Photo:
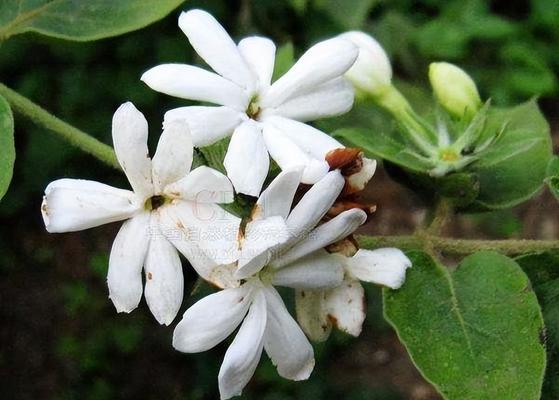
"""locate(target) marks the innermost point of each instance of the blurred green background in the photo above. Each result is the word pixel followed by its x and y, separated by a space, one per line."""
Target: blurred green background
pixel 60 336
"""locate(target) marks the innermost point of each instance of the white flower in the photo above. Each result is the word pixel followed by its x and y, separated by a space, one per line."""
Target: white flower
pixel 280 248
pixel 169 205
pixel 344 306
pixel 372 71
pixel 264 119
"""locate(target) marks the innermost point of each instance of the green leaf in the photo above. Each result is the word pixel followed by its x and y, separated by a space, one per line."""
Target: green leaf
pixel 80 20
pixel 475 332
pixel 552 179
pixel 349 14
pixel 513 168
pixel 285 57
pixel 543 271
pixel 8 151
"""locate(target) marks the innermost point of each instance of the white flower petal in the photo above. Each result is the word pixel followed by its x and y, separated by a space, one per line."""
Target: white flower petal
pixel 313 142
pixel 311 315
pixel 314 204
pixel 288 155
pixel 128 255
pixel 243 355
pixel 261 238
pixel 321 63
pixel 207 124
pixel 337 228
pixel 130 139
pixel 212 229
pixel 359 180
pixel 247 161
pixel 215 46
pixel 315 271
pixel 173 158
pixel 276 200
pixel 285 342
pixel 385 266
pixel 71 205
pixel 345 306
pixel 164 278
pixel 203 185
pixel 260 54
pixel 330 99
pixel 211 320
pixel 186 242
pixel 193 83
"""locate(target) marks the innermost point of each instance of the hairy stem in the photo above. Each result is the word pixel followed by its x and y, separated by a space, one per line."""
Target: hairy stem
pixel 458 247
pixel 73 135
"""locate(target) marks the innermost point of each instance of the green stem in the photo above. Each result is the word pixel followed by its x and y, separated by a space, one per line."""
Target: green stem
pixel 459 247
pixel 74 136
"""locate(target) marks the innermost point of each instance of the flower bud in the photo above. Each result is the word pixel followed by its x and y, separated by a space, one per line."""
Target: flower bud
pixel 454 89
pixel 372 71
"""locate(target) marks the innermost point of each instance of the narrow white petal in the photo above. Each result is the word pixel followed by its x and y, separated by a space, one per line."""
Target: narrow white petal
pixel 185 241
pixel 262 236
pixel 193 83
pixel 311 315
pixel 259 53
pixel 207 124
pixel 321 63
pixel 164 278
pixel 128 255
pixel 337 228
pixel 345 306
pixel 130 139
pixel 203 185
pixel 212 229
pixel 314 204
pixel 173 158
pixel 247 161
pixel 315 271
pixel 215 46
pixel 330 99
pixel 288 155
pixel 243 355
pixel 212 319
pixel 71 205
pixel 385 266
pixel 284 341
pixel 313 142
pixel 276 200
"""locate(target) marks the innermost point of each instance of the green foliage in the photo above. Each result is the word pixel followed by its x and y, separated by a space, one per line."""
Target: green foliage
pixel 474 332
pixel 74 20
pixel 543 271
pixel 8 153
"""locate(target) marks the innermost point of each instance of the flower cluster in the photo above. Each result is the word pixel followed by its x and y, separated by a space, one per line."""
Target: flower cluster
pixel 174 208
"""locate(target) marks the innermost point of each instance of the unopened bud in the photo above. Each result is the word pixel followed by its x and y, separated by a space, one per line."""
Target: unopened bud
pixel 372 71
pixel 454 89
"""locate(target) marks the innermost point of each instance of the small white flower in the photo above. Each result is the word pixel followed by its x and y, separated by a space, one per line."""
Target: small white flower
pixel 344 306
pixel 264 119
pixel 287 251
pixel 372 71
pixel 170 205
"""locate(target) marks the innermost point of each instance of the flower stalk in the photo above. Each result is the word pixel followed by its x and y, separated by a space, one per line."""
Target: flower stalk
pixel 71 134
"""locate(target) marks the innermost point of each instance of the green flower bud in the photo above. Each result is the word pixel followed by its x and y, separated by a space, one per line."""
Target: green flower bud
pixel 454 89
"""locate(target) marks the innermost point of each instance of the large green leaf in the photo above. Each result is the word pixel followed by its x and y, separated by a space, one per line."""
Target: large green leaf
pixel 543 271
pixel 7 149
pixel 80 20
pixel 475 332
pixel 514 168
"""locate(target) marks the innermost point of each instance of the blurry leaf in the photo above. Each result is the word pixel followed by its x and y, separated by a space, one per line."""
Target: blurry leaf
pixel 8 151
pixel 299 6
pixel 543 271
pixel 513 168
pixel 376 144
pixel 475 332
pixel 349 14
pixel 284 60
pixel 81 21
pixel 552 173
